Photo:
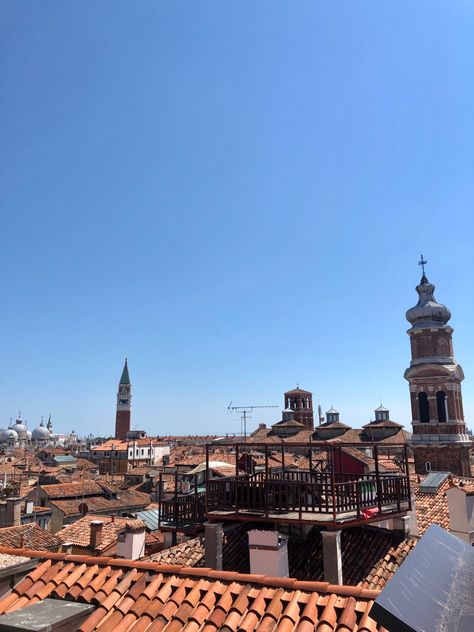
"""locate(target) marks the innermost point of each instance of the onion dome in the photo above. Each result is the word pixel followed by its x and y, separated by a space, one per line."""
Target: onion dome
pixel 19 428
pixel 40 433
pixel 29 434
pixel 427 312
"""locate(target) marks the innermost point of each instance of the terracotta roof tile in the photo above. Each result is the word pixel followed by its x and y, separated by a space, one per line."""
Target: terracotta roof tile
pixel 145 597
pixel 433 508
pixel 79 532
pixel 30 536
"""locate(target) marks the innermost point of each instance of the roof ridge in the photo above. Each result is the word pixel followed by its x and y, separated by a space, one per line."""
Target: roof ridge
pixel 265 580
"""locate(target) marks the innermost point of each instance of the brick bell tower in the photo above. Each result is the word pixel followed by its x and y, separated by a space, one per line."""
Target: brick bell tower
pixel 124 398
pixel 439 438
pixel 301 403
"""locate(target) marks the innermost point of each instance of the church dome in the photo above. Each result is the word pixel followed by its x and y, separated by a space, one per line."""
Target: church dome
pixel 427 312
pixel 40 433
pixel 9 435
pixel 19 428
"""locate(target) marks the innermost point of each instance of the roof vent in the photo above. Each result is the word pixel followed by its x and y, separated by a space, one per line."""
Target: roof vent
pixel 431 483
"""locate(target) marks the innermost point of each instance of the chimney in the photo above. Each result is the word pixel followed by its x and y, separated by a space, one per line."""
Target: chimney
pixel 332 557
pixel 29 506
pixel 131 542
pixel 96 533
pixel 13 512
pixel 213 546
pixel 268 553
pixel 461 512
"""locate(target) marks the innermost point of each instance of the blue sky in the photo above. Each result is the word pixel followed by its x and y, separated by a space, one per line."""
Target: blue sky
pixel 233 195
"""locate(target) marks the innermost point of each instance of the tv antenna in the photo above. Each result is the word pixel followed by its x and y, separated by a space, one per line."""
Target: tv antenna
pixel 244 412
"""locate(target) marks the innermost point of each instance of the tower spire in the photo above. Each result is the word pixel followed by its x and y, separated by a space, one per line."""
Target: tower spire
pixel 125 379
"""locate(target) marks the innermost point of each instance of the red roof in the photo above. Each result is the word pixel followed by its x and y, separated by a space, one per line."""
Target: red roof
pixel 146 597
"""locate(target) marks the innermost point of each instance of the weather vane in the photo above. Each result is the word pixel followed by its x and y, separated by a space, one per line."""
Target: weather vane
pixel 422 262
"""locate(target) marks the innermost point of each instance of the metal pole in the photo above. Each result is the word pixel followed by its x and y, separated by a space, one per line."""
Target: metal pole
pixel 160 497
pixel 333 484
pixel 407 472
pixel 377 478
pixel 265 489
pixel 206 479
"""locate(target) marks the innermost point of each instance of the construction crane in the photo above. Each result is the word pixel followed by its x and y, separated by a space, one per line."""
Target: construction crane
pixel 244 411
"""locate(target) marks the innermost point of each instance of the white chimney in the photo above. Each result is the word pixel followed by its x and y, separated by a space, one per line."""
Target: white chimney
pixel 461 512
pixel 268 553
pixel 29 506
pixel 131 543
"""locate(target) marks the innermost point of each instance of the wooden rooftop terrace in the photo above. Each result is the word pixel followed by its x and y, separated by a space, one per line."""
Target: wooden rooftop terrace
pixel 329 492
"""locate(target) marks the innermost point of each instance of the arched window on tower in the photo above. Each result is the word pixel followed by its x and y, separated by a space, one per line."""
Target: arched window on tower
pixel 294 404
pixel 424 407
pixel 441 405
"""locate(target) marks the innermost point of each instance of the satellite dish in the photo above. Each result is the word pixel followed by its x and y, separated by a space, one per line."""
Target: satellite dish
pixel 83 509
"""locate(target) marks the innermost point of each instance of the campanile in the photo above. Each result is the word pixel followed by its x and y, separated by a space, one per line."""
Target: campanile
pixel 124 399
pixel 439 438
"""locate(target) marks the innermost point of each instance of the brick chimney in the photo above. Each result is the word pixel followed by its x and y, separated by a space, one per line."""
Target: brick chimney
pixel 96 533
pixel 461 511
pixel 13 513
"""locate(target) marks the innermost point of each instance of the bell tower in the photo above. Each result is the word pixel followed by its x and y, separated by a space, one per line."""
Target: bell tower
pixel 439 438
pixel 124 398
pixel 301 403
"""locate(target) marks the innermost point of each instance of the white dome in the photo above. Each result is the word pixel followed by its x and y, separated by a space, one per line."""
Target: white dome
pixel 40 433
pixel 9 435
pixel 20 428
pixel 28 435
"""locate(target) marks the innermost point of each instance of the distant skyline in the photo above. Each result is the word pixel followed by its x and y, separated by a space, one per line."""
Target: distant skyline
pixel 233 196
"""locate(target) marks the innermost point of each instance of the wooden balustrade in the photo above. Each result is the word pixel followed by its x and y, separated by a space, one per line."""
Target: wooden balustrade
pixel 183 510
pixel 304 491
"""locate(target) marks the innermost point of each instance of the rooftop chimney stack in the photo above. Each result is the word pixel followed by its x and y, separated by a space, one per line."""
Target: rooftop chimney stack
pixel 268 553
pixel 131 543
pixel 13 514
pixel 96 533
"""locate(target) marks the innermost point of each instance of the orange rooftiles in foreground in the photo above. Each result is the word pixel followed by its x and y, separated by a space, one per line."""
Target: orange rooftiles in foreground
pixel 148 597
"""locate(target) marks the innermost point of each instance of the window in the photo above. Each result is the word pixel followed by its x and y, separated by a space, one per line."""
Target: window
pixel 441 404
pixel 424 407
pixel 428 466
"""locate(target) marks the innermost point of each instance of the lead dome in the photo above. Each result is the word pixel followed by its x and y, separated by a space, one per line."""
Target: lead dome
pixel 40 433
pixel 427 312
pixel 20 428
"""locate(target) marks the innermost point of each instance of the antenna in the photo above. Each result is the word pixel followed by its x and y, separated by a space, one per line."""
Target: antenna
pixel 244 411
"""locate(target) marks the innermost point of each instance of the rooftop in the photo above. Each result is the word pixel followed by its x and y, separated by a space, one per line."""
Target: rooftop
pixel 147 596
pixel 79 533
pixel 28 536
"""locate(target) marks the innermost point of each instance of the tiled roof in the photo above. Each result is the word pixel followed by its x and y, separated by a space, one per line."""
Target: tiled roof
pixel 433 508
pixel 125 498
pixel 188 553
pixel 385 568
pixel 79 533
pixel 147 597
pixel 72 490
pixel 28 536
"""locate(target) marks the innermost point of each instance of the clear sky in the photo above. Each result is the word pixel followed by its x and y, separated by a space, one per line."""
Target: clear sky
pixel 235 196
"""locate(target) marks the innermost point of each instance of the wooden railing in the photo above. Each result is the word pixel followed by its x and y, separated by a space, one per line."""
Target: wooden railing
pixel 183 510
pixel 306 492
